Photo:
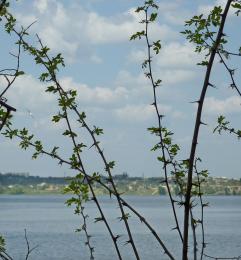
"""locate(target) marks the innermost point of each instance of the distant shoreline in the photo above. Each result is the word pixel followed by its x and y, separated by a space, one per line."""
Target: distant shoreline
pixel 105 194
pixel 18 184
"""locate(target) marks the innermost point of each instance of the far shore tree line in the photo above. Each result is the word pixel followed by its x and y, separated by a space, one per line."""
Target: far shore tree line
pixel 23 183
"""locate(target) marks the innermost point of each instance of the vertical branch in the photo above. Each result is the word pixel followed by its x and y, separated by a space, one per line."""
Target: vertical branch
pixel 196 132
pixel 193 225
pixel 159 118
pixel 84 227
pixel 29 250
pixel 202 208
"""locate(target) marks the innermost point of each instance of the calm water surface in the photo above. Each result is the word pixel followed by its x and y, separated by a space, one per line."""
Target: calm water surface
pixel 51 225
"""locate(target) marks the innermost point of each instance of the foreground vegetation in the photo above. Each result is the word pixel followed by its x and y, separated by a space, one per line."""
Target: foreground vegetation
pixel 181 176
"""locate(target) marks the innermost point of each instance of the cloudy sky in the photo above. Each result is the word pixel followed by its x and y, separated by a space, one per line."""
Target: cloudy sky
pixel 104 66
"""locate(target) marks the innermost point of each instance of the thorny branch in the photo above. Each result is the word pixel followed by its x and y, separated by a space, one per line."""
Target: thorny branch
pixel 159 118
pixel 196 131
pixel 199 183
pixel 230 71
pixel 74 108
pixel 84 227
pixel 98 180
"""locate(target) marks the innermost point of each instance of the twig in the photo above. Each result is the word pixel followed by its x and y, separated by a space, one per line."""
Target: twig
pixel 84 227
pixel 222 258
pixel 202 208
pixel 29 250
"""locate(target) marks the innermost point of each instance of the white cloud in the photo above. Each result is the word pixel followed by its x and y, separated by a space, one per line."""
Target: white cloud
pixel 26 20
pixel 41 5
pixel 205 9
pixel 72 30
pixel 176 62
pixel 173 13
pixel 177 76
pixel 96 59
pixel 226 106
pixel 27 93
pixel 135 113
pixel 137 56
pixel 133 82
pixel 57 42
pixel 118 29
pixel 141 113
pixel 177 55
pixel 96 95
pixel 178 115
pixel 174 55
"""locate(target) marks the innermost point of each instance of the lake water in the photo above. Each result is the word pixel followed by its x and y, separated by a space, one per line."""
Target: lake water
pixel 51 225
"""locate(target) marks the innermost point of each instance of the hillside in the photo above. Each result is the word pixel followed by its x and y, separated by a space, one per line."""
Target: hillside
pixel 22 183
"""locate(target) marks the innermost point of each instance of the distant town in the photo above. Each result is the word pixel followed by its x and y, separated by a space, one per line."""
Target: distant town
pixel 23 183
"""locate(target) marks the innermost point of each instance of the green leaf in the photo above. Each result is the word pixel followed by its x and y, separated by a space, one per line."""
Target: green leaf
pixel 69 133
pixel 19 73
pixel 44 76
pixel 157 46
pixel 153 17
pixel 203 63
pixel 138 35
pixel 2 243
pixel 98 131
pixel 98 219
pixel 139 9
pixel 56 118
pixel 51 89
pixel 110 165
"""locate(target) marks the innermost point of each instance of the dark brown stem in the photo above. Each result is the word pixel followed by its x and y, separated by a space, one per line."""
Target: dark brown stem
pixel 194 236
pixel 202 209
pixel 196 132
pixel 84 227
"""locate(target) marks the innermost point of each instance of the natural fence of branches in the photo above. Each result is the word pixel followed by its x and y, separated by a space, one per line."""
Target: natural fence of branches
pixel 207 33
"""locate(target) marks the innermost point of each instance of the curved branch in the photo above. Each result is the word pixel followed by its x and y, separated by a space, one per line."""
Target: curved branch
pixel 196 131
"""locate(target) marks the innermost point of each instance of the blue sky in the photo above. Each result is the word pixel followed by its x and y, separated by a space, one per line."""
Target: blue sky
pixel 104 66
